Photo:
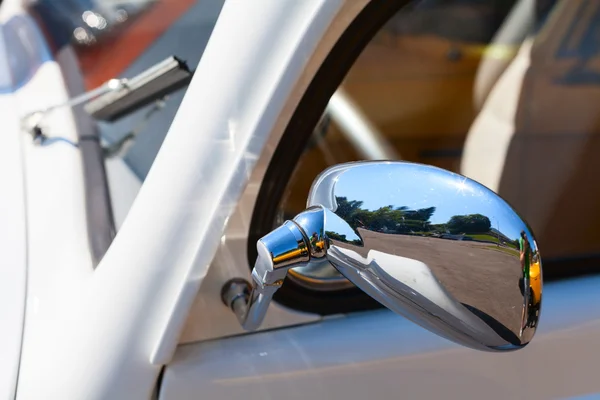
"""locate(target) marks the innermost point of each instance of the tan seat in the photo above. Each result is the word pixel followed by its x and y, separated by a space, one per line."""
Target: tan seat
pixel 536 141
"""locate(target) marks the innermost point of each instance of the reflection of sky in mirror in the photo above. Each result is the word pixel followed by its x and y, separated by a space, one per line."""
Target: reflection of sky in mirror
pixel 416 186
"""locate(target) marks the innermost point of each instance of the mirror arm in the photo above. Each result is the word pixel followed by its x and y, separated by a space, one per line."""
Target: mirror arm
pixel 284 248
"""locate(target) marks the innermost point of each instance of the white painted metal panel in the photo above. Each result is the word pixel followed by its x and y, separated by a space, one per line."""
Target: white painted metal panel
pixel 109 332
pixel 380 355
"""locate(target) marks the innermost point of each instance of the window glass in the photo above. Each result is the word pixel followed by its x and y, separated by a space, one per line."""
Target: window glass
pixel 505 92
pixel 121 38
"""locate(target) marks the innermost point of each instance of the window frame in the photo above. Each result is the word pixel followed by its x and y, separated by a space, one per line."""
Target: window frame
pixel 295 137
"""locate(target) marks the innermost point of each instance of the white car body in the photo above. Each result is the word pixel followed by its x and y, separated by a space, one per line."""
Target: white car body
pixel 72 330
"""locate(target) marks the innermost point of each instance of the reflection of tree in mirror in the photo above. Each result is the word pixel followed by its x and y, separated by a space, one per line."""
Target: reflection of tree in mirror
pixel 403 220
pixel 388 219
pixel 346 208
pixel 342 238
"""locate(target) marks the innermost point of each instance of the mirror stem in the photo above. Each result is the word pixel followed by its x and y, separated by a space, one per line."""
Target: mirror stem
pixel 284 248
pixel 249 302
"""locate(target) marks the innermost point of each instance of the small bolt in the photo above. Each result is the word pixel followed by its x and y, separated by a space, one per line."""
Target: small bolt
pixel 233 289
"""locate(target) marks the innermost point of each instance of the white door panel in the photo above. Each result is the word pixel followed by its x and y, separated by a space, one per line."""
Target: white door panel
pixel 379 355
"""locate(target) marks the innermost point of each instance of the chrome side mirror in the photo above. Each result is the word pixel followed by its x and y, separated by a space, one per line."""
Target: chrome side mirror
pixel 436 247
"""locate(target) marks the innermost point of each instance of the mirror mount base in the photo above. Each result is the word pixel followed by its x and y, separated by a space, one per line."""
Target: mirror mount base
pixel 288 246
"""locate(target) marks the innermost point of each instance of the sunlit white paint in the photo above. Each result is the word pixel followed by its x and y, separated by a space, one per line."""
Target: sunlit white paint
pixel 34 224
pixel 379 355
pixel 59 259
pixel 108 332
pixel 13 261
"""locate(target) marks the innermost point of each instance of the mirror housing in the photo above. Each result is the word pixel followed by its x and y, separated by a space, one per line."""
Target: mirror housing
pixel 434 246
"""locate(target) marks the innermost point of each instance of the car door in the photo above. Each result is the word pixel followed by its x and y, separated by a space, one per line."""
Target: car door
pixel 456 84
pixel 407 80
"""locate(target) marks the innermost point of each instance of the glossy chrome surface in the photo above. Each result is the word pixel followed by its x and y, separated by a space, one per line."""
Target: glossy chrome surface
pixel 280 250
pixel 434 246
pixel 429 244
